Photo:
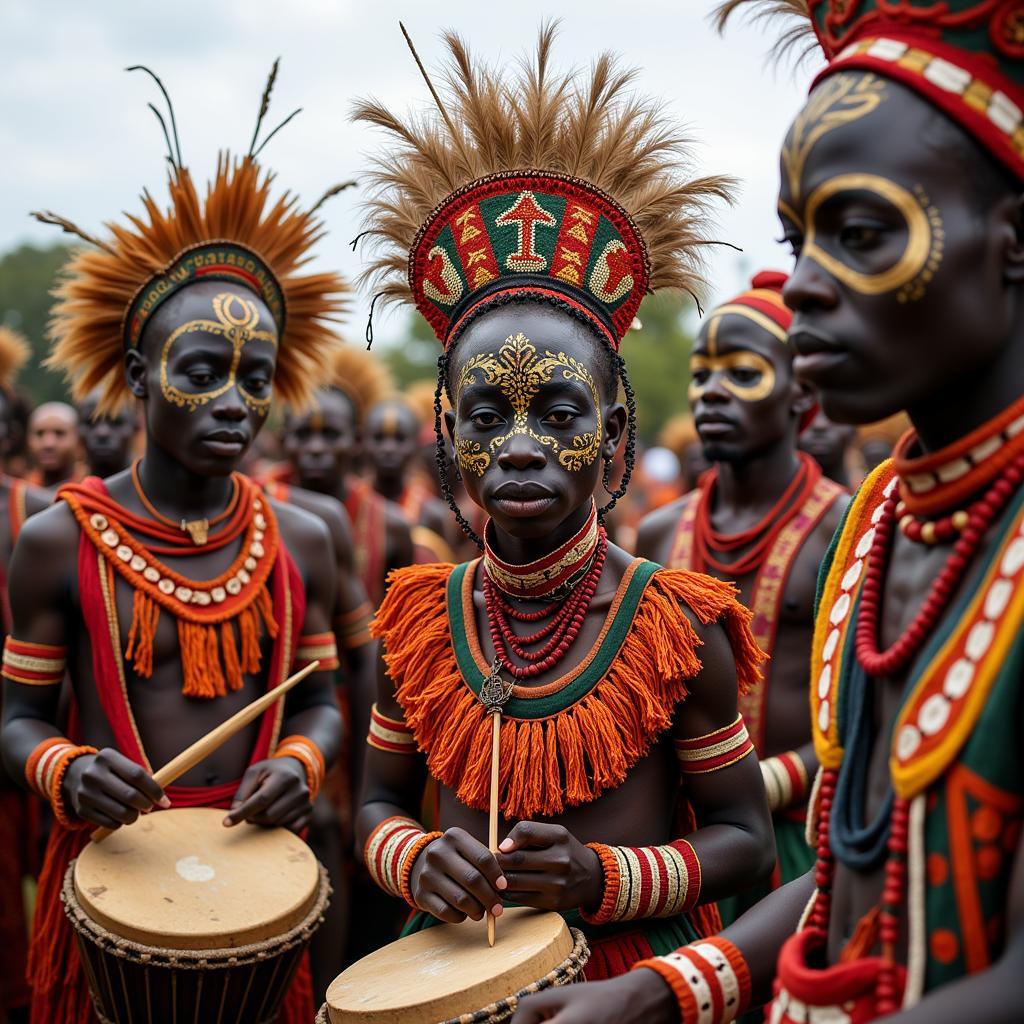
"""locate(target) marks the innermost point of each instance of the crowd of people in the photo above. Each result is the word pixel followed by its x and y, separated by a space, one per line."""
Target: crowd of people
pixel 746 700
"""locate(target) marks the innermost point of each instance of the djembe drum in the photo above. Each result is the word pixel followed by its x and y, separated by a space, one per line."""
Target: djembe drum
pixel 181 919
pixel 449 975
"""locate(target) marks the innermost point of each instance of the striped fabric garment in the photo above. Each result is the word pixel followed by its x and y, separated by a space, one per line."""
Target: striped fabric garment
pixel 34 664
pixel 714 750
pixel 710 980
pixel 646 881
pixel 390 734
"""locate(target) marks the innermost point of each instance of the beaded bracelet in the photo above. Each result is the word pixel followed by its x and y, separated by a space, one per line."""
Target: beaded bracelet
pixel 45 770
pixel 391 851
pixel 646 881
pixel 785 780
pixel 390 734
pixel 308 753
pixel 710 980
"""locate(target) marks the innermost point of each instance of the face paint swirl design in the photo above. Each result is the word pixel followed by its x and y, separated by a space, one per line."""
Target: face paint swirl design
pixel 733 365
pixel 236 321
pixel 519 372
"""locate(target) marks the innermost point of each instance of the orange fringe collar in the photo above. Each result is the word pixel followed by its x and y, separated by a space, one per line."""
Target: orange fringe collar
pixel 566 742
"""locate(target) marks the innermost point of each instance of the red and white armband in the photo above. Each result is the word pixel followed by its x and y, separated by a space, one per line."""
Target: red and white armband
pixel 320 647
pixel 714 750
pixel 34 664
pixel 353 627
pixel 391 851
pixel 646 881
pixel 390 734
pixel 710 980
pixel 45 770
pixel 785 780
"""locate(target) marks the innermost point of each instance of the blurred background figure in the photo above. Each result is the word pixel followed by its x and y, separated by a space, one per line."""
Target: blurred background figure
pixel 679 436
pixel 108 440
pixel 54 445
pixel 831 446
pixel 876 441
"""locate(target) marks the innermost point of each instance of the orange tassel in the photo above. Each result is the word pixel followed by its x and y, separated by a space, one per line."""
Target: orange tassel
pixel 229 655
pixel 145 616
pixel 551 764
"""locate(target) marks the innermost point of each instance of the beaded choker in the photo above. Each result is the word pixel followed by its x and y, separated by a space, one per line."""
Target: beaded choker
pixel 941 481
pixel 550 578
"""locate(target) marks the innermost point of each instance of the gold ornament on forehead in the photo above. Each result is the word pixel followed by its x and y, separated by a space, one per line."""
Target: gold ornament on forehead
pixel 519 372
pixel 236 321
pixel 839 100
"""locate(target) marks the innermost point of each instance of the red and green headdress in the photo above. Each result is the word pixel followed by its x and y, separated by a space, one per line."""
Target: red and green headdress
pixel 561 186
pixel 236 232
pixel 964 56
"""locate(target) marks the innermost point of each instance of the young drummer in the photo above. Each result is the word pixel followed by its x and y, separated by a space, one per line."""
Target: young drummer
pixel 175 593
pixel 763 516
pixel 901 194
pixel 323 445
pixel 534 213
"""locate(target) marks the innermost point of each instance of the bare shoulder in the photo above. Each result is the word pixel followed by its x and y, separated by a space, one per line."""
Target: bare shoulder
pixel 52 529
pixel 329 510
pixel 45 559
pixel 36 500
pixel 657 528
pixel 304 534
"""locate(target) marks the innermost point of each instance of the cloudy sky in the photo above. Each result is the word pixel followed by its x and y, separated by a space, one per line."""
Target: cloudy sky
pixel 76 136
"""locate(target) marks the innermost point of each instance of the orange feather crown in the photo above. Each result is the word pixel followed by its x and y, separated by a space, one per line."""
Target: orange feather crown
pixel 526 181
pixel 235 233
pixel 14 353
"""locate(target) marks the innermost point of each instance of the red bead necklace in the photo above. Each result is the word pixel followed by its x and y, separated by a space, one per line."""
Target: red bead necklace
pixel 980 517
pixel 758 539
pixel 566 618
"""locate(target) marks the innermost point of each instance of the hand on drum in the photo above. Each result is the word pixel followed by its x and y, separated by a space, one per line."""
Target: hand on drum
pixel 272 792
pixel 639 997
pixel 548 867
pixel 457 877
pixel 110 790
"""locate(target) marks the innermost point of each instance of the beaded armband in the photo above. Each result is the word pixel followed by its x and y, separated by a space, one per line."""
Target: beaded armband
pixel 34 664
pixel 646 881
pixel 45 770
pixel 390 734
pixel 308 753
pixel 710 980
pixel 352 628
pixel 785 780
pixel 715 750
pixel 320 647
pixel 391 852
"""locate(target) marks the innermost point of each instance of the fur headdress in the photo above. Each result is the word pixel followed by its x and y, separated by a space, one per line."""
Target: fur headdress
pixel 361 376
pixel 236 232
pixel 966 57
pixel 531 180
pixel 14 353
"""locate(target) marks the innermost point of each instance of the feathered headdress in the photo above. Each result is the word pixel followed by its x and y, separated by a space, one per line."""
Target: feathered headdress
pixel 14 353
pixel 966 57
pixel 561 184
pixel 362 377
pixel 236 233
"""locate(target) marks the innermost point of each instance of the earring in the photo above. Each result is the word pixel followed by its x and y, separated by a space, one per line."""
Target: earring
pixel 606 476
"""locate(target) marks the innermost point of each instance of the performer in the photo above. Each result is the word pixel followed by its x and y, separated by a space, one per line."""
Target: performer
pixel 913 911
pixel 392 445
pixel 53 445
pixel 763 516
pixel 107 440
pixel 175 592
pixel 19 818
pixel 323 446
pixel 606 663
pixel 831 446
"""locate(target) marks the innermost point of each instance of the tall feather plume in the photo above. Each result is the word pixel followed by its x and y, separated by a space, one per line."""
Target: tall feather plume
pixel 14 353
pixel 494 120
pixel 98 285
pixel 794 15
pixel 360 375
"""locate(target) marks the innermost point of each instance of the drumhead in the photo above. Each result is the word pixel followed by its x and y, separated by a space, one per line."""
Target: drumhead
pixel 179 879
pixel 449 970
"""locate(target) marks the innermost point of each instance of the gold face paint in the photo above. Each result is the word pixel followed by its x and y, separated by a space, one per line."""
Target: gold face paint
pixel 741 359
pixel 518 372
pixel 239 329
pixel 921 256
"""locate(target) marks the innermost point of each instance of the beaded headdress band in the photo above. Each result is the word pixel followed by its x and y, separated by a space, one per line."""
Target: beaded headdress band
pixel 558 186
pixel 964 56
pixel 236 233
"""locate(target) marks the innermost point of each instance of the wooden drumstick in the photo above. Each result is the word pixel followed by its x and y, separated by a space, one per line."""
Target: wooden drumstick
pixel 206 745
pixel 493 695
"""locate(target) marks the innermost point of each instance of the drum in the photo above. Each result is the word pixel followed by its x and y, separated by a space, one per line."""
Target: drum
pixel 181 919
pixel 440 975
